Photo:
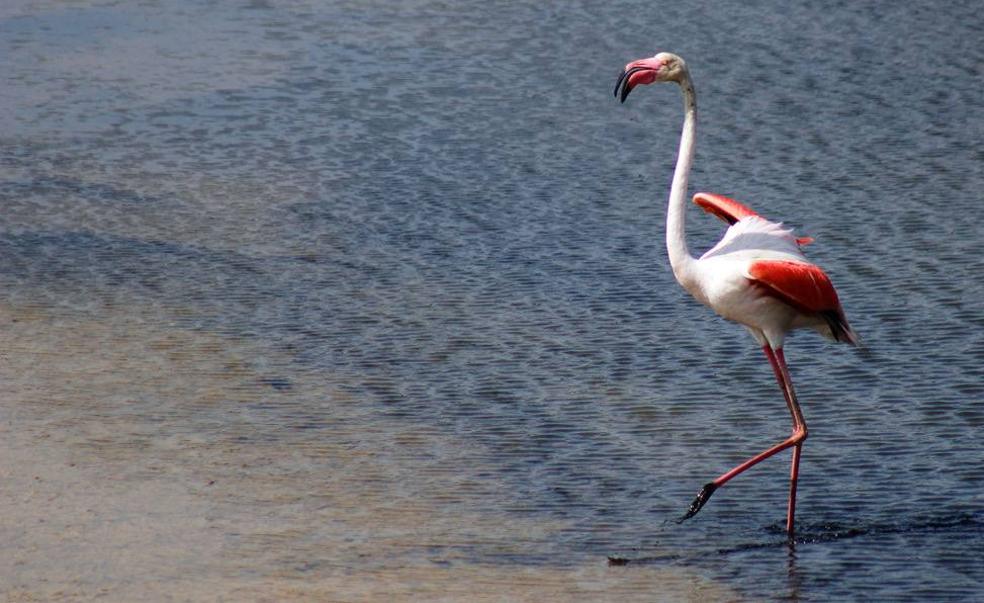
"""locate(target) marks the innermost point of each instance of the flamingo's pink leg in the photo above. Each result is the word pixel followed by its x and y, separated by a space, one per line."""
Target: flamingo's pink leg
pixel 778 362
pixel 799 430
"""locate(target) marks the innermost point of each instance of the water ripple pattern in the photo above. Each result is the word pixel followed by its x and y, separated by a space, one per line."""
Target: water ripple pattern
pixel 371 300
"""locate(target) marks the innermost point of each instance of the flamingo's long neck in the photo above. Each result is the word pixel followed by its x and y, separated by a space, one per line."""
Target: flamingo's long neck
pixel 676 241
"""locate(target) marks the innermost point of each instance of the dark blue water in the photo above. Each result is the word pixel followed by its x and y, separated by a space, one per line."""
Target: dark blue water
pixel 438 239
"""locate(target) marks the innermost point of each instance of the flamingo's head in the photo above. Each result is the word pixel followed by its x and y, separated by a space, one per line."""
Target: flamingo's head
pixel 664 67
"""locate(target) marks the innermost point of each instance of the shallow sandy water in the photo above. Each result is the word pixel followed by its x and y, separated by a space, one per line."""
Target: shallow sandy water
pixel 104 506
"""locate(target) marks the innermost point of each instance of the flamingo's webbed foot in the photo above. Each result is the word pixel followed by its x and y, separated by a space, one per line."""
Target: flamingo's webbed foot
pixel 702 497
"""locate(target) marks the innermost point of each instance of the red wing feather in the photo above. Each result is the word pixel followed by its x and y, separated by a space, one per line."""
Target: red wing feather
pixel 723 207
pixel 804 286
pixel 731 211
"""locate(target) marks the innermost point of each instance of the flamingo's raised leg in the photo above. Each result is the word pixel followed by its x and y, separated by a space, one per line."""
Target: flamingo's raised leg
pixel 800 433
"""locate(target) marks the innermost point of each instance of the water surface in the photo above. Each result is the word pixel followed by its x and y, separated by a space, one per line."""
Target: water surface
pixel 364 301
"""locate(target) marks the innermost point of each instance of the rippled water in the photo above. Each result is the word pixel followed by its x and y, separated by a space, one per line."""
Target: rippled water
pixel 358 300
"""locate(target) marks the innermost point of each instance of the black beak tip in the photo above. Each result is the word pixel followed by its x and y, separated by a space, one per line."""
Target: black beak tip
pixel 618 83
pixel 622 86
pixel 625 93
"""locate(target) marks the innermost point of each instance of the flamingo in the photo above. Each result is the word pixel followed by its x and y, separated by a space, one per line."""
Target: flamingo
pixel 757 275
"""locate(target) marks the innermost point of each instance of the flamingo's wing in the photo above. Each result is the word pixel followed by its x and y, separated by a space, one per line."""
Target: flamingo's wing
pixel 805 287
pixel 731 211
pixel 723 207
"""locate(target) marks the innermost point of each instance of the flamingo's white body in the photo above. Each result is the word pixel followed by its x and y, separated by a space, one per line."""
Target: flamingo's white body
pixel 757 275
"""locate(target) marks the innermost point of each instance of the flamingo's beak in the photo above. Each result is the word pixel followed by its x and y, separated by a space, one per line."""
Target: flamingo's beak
pixel 643 71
